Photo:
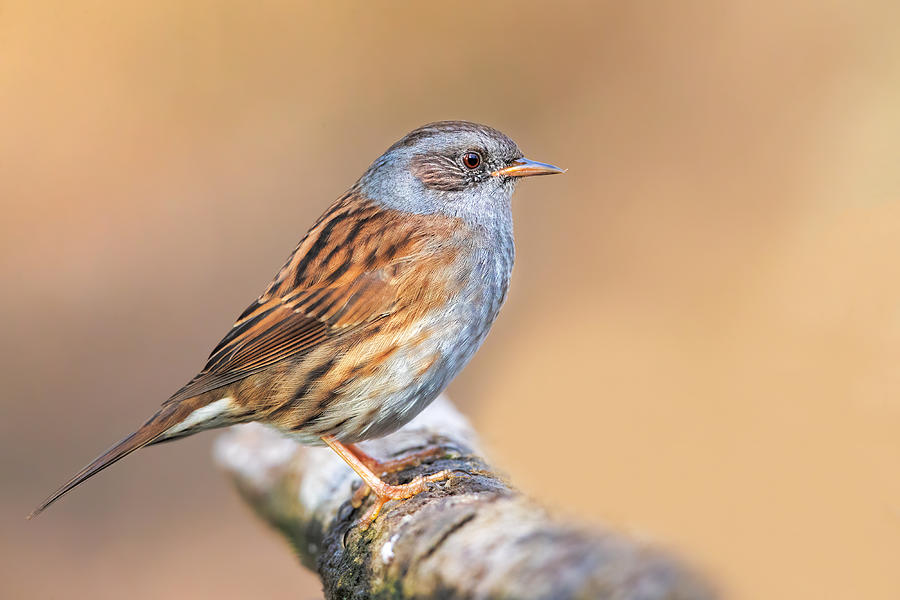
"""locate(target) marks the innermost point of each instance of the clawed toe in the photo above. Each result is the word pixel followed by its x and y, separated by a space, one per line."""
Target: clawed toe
pixel 368 468
pixel 397 492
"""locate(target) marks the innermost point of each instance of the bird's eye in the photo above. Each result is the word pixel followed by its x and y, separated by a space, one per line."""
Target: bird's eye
pixel 472 160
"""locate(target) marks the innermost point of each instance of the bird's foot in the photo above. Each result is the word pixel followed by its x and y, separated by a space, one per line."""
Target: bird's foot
pixel 397 464
pixel 371 469
pixel 382 468
pixel 386 492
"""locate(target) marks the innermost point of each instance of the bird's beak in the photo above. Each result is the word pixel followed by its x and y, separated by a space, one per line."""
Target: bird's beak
pixel 526 168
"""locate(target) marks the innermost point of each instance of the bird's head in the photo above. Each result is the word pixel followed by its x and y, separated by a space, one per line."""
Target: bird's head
pixel 454 168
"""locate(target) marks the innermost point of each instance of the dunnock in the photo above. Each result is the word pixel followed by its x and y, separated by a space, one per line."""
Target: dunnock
pixel 377 309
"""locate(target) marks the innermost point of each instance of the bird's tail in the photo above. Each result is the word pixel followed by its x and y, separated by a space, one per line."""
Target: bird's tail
pixel 160 427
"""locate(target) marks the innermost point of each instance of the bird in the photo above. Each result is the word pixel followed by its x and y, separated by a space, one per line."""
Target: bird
pixel 383 301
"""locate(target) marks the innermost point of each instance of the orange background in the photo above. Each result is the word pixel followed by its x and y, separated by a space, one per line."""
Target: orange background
pixel 702 340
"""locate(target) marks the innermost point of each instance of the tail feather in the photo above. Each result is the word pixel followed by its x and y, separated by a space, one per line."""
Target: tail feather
pixel 153 431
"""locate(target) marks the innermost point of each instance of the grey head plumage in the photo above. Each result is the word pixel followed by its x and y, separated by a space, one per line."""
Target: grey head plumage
pixel 454 168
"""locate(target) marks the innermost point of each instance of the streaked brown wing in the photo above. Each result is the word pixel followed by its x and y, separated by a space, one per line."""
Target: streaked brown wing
pixel 271 330
pixel 358 263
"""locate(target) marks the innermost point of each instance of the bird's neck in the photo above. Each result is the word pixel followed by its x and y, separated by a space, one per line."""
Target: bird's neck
pixel 493 255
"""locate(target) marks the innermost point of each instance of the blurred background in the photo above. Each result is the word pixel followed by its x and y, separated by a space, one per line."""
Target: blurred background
pixel 701 345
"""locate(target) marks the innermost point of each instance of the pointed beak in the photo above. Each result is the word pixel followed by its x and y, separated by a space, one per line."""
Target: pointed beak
pixel 526 168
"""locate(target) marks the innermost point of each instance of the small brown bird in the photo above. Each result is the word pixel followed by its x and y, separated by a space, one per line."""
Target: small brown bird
pixel 381 304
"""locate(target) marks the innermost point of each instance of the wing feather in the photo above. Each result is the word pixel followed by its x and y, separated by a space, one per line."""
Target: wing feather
pixel 328 288
pixel 283 329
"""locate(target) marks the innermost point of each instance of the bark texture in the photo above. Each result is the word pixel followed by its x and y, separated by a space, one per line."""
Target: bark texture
pixel 472 536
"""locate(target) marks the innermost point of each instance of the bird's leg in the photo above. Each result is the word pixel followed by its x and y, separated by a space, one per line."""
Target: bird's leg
pixel 383 467
pixel 384 491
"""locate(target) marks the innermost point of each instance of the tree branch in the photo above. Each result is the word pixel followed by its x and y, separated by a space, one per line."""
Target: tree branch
pixel 469 537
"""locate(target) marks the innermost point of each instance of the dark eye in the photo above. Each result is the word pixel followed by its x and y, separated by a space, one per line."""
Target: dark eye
pixel 472 160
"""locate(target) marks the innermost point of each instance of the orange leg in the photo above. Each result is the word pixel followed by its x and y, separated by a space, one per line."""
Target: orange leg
pixel 398 464
pixel 367 466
